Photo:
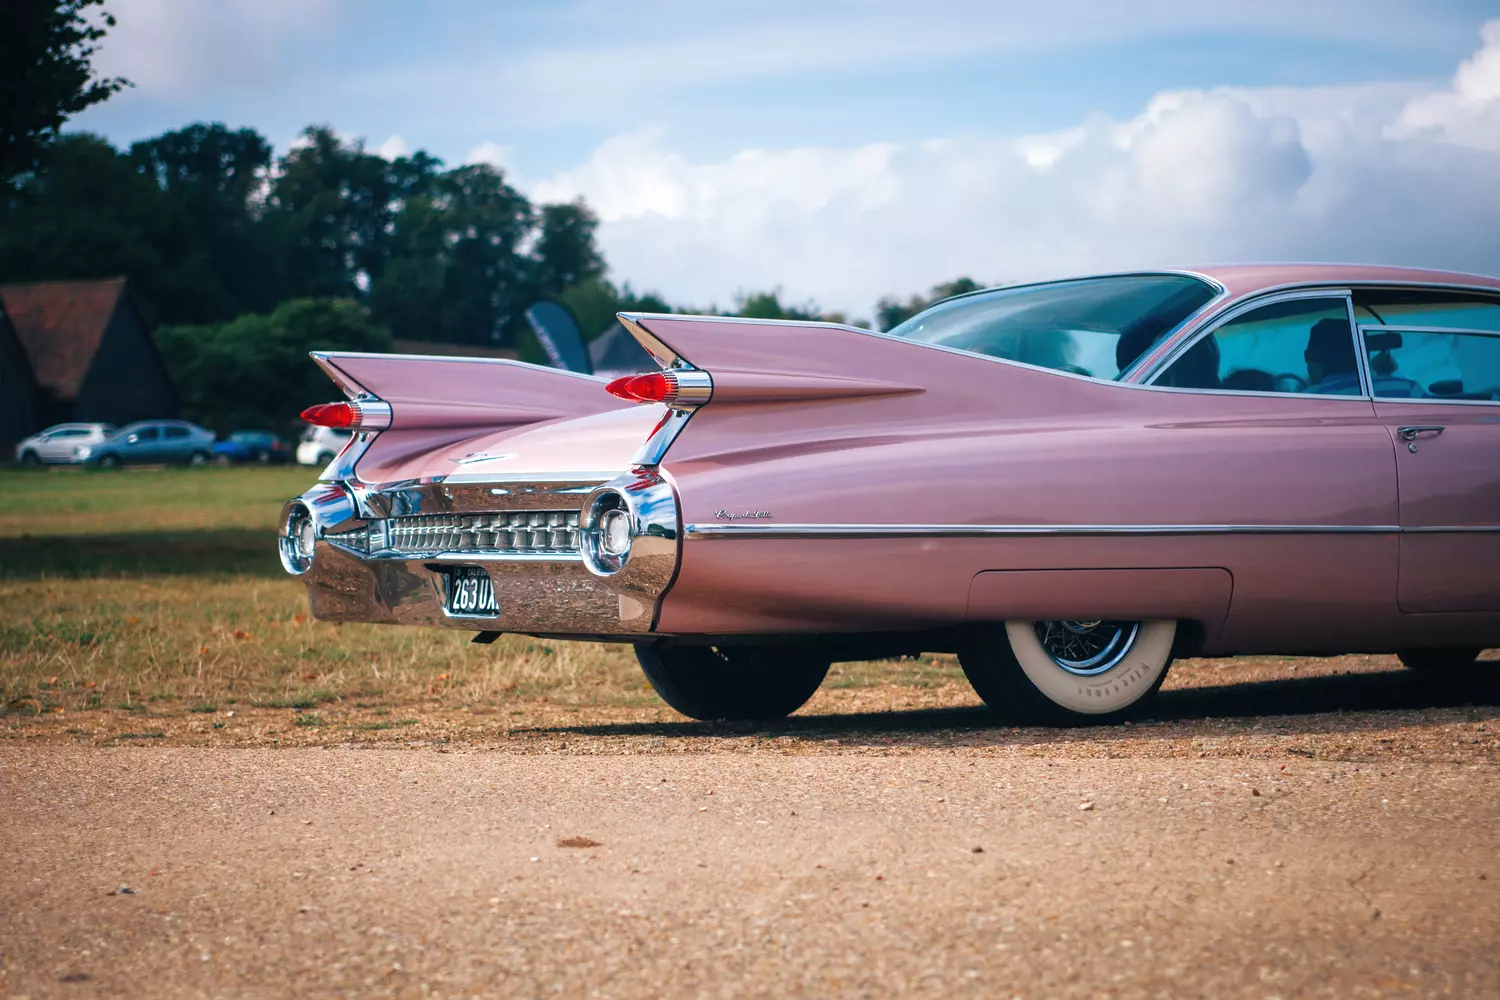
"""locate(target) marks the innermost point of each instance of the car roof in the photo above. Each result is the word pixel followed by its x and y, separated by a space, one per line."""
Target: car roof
pixel 1248 279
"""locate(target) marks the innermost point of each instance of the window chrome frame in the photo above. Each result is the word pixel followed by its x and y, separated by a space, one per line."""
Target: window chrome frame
pixel 1149 365
pixel 1159 368
pixel 1362 328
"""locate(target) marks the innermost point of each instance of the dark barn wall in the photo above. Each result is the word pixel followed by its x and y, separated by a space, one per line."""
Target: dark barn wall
pixel 18 393
pixel 126 380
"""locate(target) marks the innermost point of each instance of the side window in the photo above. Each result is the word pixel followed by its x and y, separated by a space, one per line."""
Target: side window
pixel 145 434
pixel 1408 365
pixel 172 431
pixel 1426 308
pixel 1297 346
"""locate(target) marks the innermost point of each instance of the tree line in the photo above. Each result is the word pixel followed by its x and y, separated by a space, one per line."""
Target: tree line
pixel 209 225
pixel 241 261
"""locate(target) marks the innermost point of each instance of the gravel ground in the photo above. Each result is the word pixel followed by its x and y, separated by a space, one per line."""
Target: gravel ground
pixel 1328 835
pixel 388 872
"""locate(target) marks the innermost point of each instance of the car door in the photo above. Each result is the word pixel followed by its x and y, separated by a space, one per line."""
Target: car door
pixel 57 446
pixel 176 444
pixel 142 444
pixel 1296 441
pixel 1434 363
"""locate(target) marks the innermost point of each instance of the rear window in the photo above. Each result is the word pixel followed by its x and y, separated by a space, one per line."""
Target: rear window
pixel 1087 326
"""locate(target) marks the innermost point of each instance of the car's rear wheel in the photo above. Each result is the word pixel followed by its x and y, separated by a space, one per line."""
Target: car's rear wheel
pixel 732 682
pixel 30 458
pixel 324 457
pixel 109 461
pixel 1061 672
pixel 198 458
pixel 1449 660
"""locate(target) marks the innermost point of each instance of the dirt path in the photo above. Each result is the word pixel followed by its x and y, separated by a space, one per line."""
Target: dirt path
pixel 942 871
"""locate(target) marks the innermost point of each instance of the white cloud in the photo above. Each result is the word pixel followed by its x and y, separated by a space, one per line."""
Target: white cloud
pixel 1383 173
pixel 1468 114
pixel 393 148
pixel 179 47
pixel 493 153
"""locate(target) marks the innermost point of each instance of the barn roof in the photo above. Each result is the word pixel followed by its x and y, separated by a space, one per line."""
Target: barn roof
pixel 60 325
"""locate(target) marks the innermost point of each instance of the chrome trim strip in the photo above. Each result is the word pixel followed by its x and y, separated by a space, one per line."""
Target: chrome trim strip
pixel 1435 401
pixel 1450 529
pixel 500 478
pixel 1361 356
pixel 462 556
pixel 1024 530
pixel 664 355
pixel 1399 328
pixel 694 388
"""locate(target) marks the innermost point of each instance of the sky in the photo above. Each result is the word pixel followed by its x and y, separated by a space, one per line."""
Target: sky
pixel 841 151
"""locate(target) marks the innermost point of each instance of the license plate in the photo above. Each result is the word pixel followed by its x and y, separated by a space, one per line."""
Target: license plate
pixel 469 591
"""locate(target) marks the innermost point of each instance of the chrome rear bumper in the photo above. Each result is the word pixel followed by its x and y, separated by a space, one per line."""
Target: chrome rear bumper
pixel 378 555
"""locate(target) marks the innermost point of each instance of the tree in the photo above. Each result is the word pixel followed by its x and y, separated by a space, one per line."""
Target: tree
pixel 216 178
pixel 892 312
pixel 88 215
pixel 45 75
pixel 565 251
pixel 768 305
pixel 194 254
pixel 253 371
pixel 595 301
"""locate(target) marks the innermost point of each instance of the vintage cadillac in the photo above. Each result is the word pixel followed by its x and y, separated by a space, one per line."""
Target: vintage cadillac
pixel 1066 483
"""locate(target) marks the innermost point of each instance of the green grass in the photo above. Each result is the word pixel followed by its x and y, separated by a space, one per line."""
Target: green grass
pixel 156 594
pixel 159 592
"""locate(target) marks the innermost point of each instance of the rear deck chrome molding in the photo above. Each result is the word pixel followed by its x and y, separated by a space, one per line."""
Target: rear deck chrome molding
pixel 1031 530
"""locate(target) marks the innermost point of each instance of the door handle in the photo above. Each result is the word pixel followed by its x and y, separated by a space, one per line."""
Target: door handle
pixel 1410 434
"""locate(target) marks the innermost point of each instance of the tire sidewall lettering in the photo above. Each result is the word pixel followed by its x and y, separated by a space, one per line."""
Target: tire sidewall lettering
pixel 1112 691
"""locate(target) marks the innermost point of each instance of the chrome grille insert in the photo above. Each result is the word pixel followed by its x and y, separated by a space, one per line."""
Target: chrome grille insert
pixel 519 532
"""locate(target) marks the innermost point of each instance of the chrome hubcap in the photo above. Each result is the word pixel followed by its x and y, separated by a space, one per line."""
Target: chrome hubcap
pixel 1087 648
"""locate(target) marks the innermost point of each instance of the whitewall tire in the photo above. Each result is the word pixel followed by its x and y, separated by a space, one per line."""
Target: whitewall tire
pixel 1061 672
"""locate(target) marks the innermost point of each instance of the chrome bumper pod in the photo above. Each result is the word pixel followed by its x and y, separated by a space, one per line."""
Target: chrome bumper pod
pixel 380 554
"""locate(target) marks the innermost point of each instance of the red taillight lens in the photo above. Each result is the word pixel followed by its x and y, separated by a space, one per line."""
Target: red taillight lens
pixel 653 387
pixel 331 415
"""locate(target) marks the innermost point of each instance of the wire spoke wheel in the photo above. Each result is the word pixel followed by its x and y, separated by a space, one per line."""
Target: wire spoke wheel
pixel 1087 648
pixel 1062 672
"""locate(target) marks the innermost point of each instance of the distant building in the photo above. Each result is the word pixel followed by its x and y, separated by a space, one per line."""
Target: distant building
pixel 90 358
pixel 18 390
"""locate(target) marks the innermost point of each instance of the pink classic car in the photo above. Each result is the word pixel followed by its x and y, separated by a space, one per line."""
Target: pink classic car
pixel 1066 483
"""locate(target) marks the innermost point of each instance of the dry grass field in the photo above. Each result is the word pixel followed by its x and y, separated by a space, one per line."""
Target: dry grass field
pixel 149 607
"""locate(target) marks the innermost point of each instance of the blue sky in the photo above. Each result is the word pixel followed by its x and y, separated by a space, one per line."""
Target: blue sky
pixel 735 144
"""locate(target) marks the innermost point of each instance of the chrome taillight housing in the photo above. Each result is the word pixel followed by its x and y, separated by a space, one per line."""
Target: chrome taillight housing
pixel 606 532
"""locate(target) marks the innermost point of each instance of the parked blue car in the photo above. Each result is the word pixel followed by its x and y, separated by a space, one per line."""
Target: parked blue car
pixel 252 446
pixel 151 441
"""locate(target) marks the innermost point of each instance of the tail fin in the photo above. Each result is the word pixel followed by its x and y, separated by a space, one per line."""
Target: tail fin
pixel 436 401
pixel 441 392
pixel 793 386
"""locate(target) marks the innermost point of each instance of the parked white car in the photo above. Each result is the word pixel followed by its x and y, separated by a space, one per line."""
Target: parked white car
pixel 60 443
pixel 320 445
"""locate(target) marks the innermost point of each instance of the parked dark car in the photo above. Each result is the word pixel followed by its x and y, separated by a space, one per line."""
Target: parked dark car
pixel 152 441
pixel 252 446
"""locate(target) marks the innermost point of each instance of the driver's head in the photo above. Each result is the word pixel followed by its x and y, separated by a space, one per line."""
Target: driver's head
pixel 1330 350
